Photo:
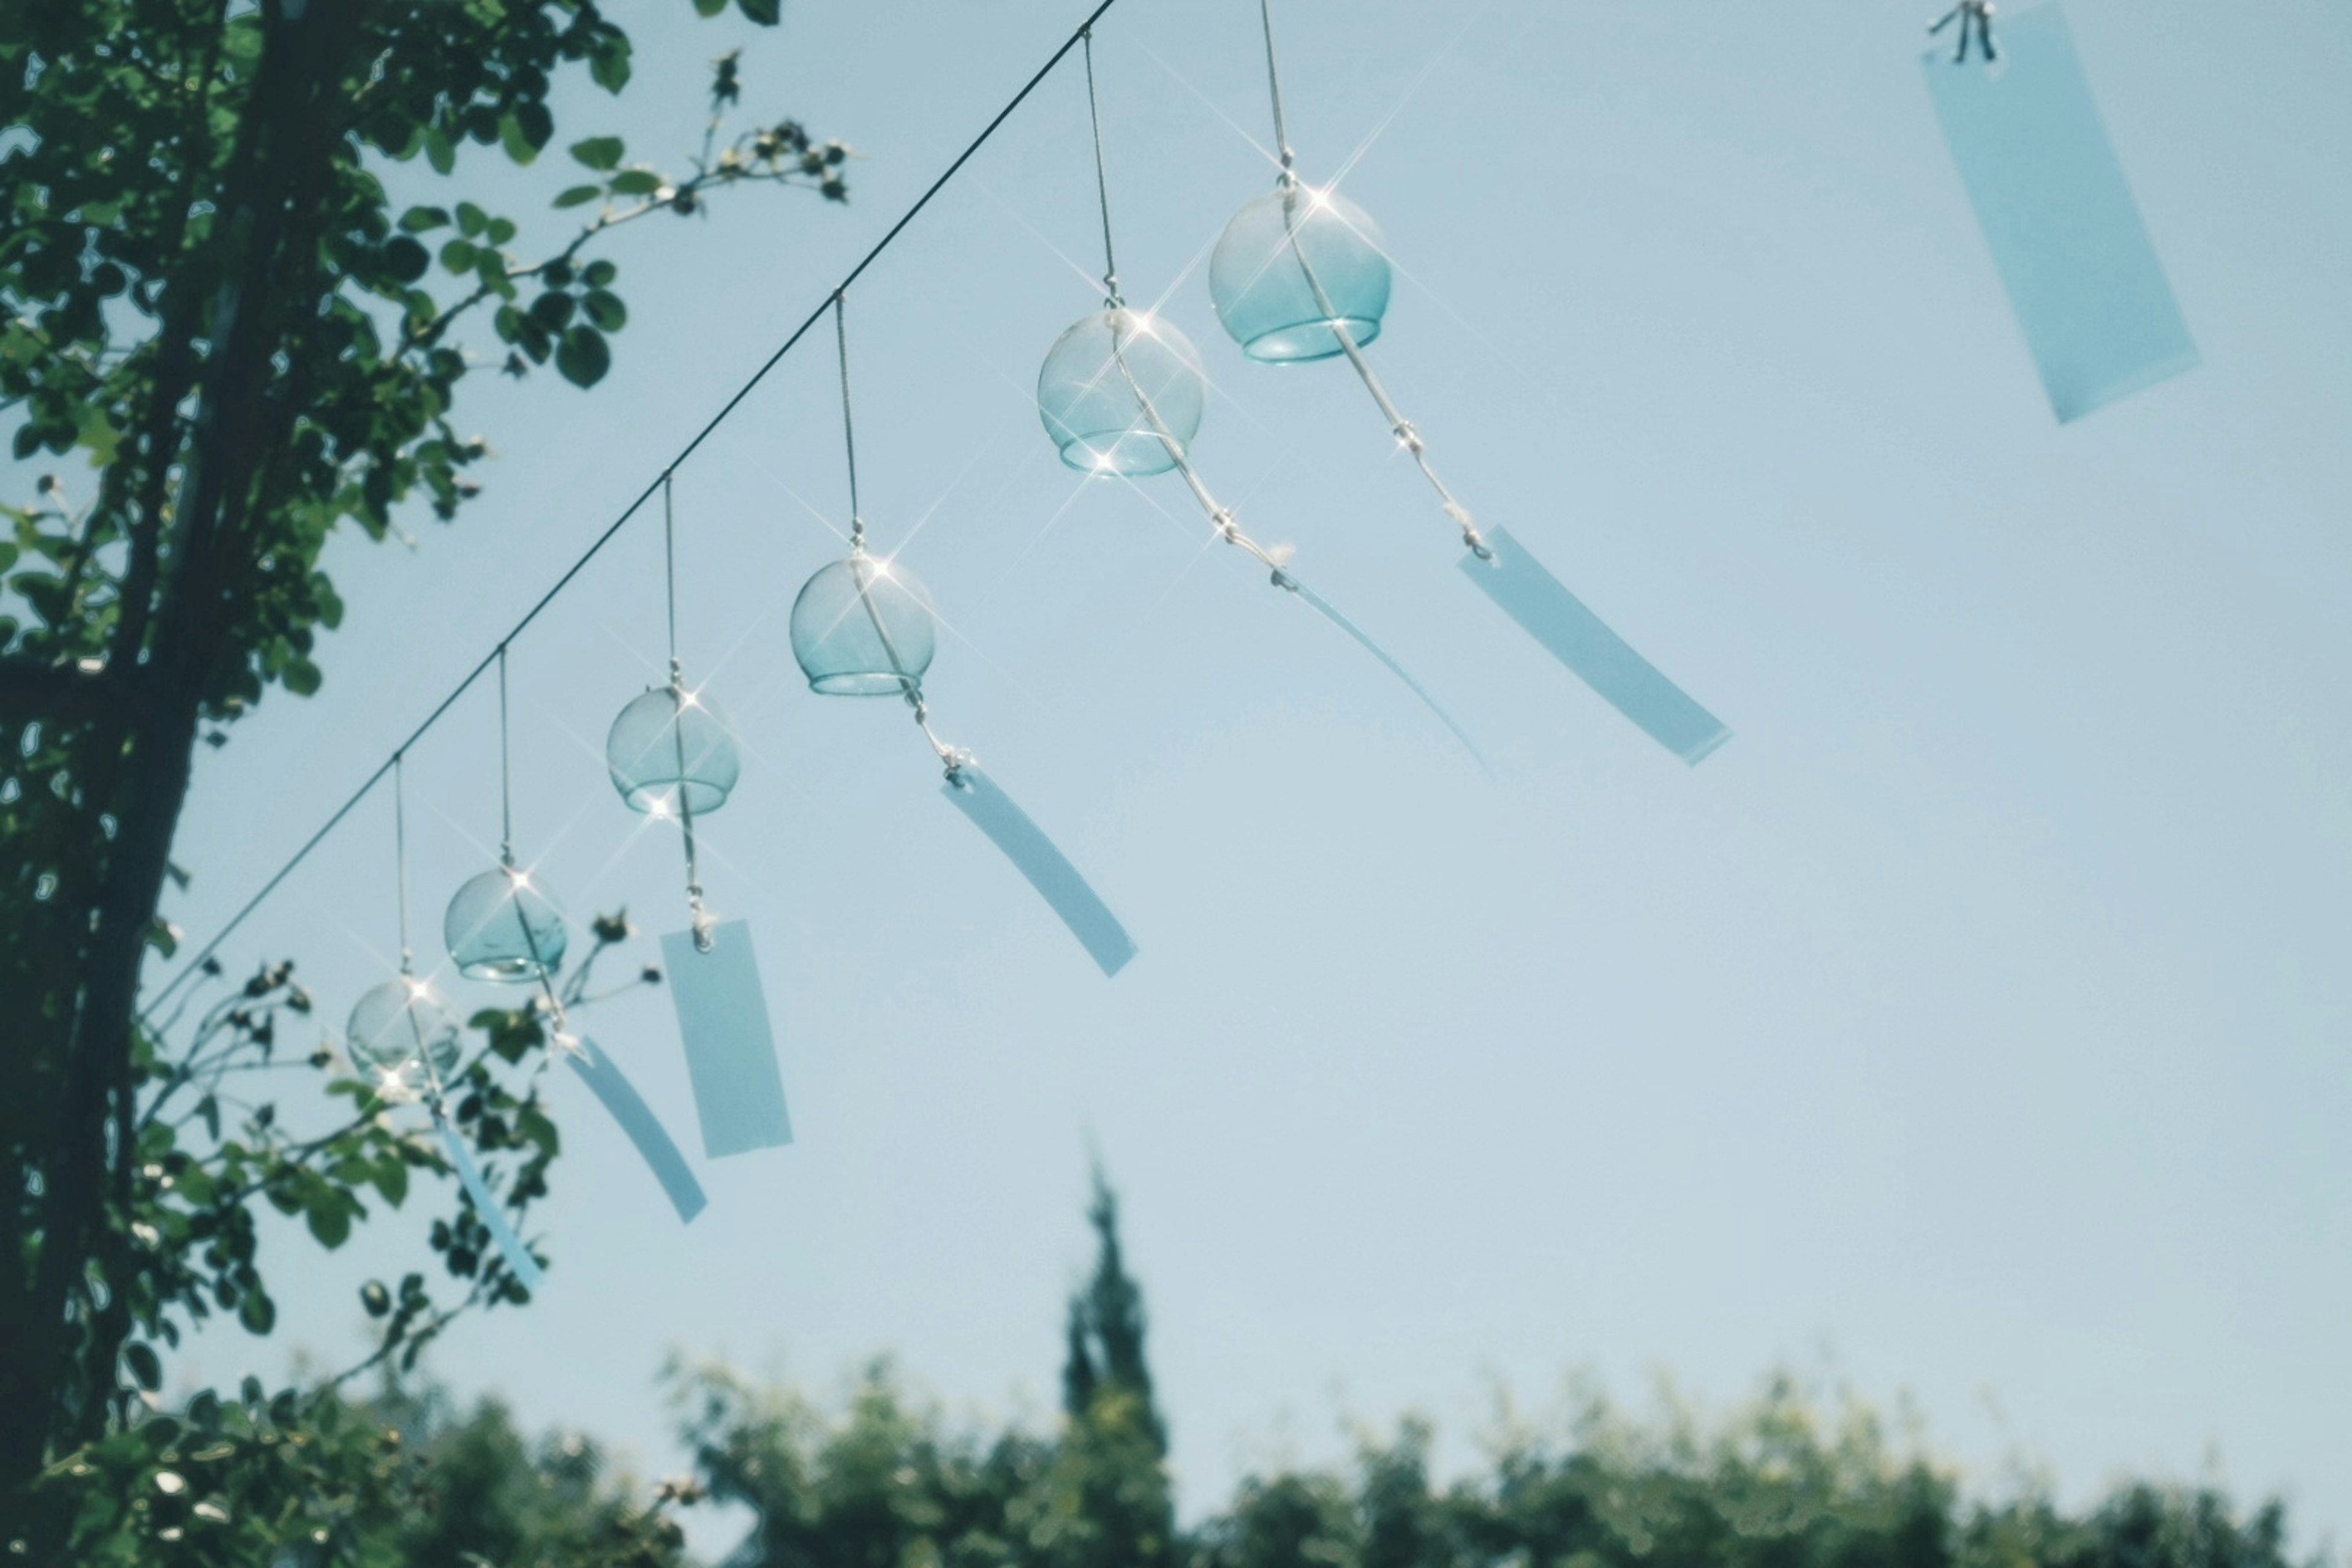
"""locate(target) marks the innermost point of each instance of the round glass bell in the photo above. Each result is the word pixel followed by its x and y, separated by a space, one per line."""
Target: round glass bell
pixel 668 745
pixel 863 628
pixel 1260 288
pixel 399 1024
pixel 1092 391
pixel 501 927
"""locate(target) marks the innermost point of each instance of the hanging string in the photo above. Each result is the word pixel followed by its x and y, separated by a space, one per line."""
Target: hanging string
pixel 862 572
pixel 848 432
pixel 1407 437
pixel 506 775
pixel 1273 91
pixel 1102 179
pixel 196 963
pixel 679 700
pixel 669 572
pixel 400 854
pixel 1970 13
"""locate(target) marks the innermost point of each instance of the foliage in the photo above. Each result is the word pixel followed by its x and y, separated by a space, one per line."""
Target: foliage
pixel 209 294
pixel 190 1228
pixel 302 1481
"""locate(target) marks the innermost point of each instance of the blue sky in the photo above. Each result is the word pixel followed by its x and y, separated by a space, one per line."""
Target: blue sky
pixel 1971 1027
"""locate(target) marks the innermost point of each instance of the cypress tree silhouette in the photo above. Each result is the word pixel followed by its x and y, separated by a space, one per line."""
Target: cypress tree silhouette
pixel 1110 1486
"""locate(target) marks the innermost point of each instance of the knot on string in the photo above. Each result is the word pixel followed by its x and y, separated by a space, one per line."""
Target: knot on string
pixel 700 919
pixel 1974 17
pixel 1471 537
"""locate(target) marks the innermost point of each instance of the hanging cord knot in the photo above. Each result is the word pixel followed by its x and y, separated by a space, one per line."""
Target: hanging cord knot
pixel 1974 17
pixel 1470 534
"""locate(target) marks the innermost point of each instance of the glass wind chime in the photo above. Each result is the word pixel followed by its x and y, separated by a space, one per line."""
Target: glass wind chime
pixel 399 1032
pixel 1122 394
pixel 672 754
pixel 506 928
pixel 2074 258
pixel 1301 274
pixel 863 626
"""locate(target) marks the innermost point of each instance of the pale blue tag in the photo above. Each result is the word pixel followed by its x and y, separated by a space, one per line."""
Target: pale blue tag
pixel 612 1086
pixel 520 1262
pixel 1048 870
pixel 2082 275
pixel 1331 612
pixel 722 1016
pixel 1600 657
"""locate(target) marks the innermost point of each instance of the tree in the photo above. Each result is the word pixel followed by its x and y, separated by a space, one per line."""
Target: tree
pixel 210 295
pixel 1108 1490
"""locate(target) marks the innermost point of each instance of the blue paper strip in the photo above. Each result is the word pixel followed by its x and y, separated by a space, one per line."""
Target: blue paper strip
pixel 2081 272
pixel 1331 613
pixel 1048 870
pixel 661 1155
pixel 730 1054
pixel 1599 657
pixel 520 1262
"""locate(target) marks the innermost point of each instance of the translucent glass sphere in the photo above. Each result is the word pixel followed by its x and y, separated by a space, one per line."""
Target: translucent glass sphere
pixel 1091 392
pixel 1260 290
pixel 398 1024
pixel 501 926
pixel 668 744
pixel 863 628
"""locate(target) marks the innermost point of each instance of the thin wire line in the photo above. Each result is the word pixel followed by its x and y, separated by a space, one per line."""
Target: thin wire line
pixel 195 964
pixel 1102 179
pixel 848 434
pixel 1273 91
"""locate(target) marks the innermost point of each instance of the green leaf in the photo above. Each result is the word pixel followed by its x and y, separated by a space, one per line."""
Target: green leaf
pixel 636 182
pixel 579 196
pixel 709 7
pixel 146 1367
pixel 375 1298
pixel 599 152
pixel 604 310
pixel 404 258
pixel 416 220
pixel 600 274
pixel 461 255
pixel 471 219
pixel 767 12
pixel 502 230
pixel 513 137
pixel 301 677
pixel 8 553
pixel 330 1217
pixel 608 61
pixel 583 357
pixel 439 151
pixel 391 1178
pixel 552 311
pixel 257 1312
